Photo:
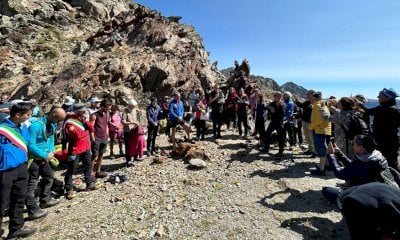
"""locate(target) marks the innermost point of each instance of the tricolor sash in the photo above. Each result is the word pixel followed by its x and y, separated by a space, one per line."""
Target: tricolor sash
pixel 75 123
pixel 14 137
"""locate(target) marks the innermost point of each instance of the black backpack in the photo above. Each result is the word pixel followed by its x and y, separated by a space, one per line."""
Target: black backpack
pixel 357 126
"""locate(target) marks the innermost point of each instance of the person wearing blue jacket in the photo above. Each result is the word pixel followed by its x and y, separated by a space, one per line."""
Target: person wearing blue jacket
pixel 176 112
pixel 288 126
pixel 14 137
pixel 41 150
pixel 153 114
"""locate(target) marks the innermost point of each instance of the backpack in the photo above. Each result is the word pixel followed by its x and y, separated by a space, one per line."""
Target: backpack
pixel 390 176
pixel 357 126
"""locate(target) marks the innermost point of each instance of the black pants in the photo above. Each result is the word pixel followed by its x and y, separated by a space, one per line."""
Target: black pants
pixel 126 143
pixel 390 150
pixel 200 128
pixel 279 130
pixel 151 137
pixel 260 127
pixel 36 169
pixel 217 122
pixel 299 132
pixel 230 117
pixel 289 129
pixel 85 157
pixel 242 120
pixel 13 190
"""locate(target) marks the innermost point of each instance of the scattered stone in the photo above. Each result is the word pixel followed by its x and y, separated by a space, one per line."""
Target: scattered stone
pixel 197 163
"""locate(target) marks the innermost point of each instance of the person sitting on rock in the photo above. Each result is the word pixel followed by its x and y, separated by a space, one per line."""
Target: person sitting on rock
pixel 176 112
pixel 367 165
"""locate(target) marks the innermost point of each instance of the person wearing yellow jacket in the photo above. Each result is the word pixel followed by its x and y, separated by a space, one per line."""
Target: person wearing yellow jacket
pixel 321 128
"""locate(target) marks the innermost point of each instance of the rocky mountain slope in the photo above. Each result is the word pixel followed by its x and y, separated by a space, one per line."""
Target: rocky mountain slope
pixel 268 85
pixel 51 49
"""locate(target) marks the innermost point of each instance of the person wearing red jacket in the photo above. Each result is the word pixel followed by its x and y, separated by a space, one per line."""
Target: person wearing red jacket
pixel 77 130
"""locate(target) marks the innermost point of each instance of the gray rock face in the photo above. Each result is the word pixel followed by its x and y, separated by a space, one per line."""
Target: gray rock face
pixel 51 49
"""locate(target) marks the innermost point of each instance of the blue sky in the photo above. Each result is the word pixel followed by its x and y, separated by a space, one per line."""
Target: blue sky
pixel 338 47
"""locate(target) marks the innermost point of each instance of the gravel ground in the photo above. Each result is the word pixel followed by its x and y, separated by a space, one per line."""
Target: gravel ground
pixel 242 194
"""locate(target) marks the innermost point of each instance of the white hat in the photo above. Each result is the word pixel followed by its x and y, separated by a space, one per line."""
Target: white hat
pixel 94 99
pixel 287 93
pixel 69 101
pixel 132 102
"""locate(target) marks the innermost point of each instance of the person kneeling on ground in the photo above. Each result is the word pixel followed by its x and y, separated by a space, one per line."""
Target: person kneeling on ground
pixel 365 168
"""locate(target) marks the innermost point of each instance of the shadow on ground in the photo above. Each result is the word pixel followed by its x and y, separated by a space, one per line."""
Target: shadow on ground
pixel 309 201
pixel 317 228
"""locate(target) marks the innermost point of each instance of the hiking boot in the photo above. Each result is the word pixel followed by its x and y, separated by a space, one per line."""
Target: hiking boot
pixel 37 214
pixel 22 233
pixel 70 194
pixel 93 186
pixel 130 163
pixel 140 158
pixel 50 203
pixel 101 175
pixel 149 153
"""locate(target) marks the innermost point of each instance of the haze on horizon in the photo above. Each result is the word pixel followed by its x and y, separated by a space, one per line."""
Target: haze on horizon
pixel 337 47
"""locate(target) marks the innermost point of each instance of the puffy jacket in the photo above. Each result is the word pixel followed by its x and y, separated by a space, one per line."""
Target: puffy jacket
pixel 12 156
pixel 78 135
pixel 319 120
pixel 41 141
pixel 363 169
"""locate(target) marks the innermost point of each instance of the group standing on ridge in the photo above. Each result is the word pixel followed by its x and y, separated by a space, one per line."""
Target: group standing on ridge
pixel 358 144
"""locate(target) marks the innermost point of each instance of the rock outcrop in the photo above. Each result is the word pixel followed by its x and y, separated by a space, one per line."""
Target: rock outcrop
pixel 51 49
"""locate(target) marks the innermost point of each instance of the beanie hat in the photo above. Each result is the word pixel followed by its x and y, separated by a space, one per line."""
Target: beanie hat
pixel 389 93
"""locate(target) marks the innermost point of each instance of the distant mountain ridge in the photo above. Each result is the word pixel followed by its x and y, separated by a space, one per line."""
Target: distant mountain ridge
pixel 269 85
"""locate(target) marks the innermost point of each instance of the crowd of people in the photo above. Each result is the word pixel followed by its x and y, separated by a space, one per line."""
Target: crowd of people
pixel 357 143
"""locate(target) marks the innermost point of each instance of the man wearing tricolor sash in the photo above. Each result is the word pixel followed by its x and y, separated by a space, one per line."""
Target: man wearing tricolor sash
pixel 77 132
pixel 14 137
